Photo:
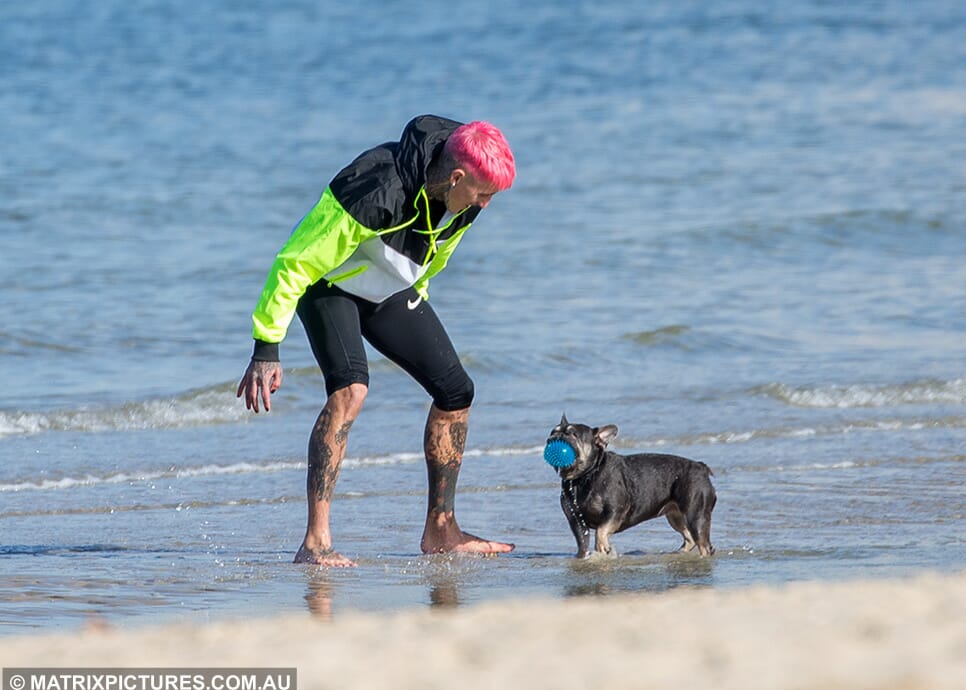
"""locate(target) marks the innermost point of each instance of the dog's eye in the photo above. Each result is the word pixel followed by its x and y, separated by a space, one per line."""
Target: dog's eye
pixel 570 429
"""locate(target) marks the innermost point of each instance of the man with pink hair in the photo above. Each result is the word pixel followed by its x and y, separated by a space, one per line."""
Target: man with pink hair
pixel 358 267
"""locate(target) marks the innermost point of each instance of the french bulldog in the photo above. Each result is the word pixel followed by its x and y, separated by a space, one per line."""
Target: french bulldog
pixel 609 492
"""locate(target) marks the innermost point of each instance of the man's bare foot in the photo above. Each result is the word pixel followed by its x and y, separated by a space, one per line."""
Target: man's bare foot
pixel 454 540
pixel 322 556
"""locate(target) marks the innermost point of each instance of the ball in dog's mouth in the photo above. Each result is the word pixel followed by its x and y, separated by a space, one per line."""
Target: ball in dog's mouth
pixel 558 453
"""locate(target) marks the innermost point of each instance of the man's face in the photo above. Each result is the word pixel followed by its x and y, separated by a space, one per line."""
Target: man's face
pixel 468 191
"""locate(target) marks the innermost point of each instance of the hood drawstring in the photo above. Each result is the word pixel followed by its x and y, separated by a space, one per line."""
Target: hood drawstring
pixel 433 233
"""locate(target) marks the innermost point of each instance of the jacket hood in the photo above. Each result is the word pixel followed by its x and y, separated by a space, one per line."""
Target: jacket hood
pixel 421 140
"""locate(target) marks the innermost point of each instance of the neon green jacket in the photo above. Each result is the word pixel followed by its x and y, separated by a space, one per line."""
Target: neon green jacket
pixel 371 232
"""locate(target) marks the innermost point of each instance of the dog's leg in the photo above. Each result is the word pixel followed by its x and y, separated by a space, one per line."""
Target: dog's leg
pixel 676 519
pixel 577 526
pixel 602 541
pixel 699 520
pixel 705 547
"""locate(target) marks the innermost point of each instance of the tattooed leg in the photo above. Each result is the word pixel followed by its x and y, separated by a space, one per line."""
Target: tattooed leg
pixel 327 445
pixel 444 441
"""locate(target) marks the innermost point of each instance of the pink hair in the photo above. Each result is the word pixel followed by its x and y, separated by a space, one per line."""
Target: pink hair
pixel 481 149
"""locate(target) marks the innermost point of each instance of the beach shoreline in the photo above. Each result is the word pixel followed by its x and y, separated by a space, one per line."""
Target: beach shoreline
pixel 892 634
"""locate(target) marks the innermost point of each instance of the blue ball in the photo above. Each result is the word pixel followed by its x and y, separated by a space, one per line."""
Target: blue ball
pixel 559 453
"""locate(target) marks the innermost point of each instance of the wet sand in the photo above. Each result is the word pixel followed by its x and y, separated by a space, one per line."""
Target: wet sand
pixel 889 634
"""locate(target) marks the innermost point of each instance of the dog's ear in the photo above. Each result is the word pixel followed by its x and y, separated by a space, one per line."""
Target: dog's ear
pixel 563 419
pixel 604 434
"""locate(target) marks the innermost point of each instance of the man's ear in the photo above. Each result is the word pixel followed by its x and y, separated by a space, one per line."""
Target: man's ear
pixel 604 434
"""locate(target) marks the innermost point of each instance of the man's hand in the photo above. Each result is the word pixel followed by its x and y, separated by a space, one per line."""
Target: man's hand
pixel 261 379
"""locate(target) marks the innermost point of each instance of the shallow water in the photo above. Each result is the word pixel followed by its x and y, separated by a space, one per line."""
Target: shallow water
pixel 736 232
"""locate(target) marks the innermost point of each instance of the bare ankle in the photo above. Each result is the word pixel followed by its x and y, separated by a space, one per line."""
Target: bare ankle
pixel 314 543
pixel 325 556
pixel 441 520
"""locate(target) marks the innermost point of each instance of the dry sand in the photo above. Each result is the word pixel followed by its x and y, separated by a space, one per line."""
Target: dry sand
pixel 899 635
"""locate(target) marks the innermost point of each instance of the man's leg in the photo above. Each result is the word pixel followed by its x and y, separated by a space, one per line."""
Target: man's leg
pixel 414 338
pixel 444 441
pixel 327 445
pixel 331 320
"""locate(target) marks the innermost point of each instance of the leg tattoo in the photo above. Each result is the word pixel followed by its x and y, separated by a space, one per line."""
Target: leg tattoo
pixel 324 455
pixel 445 441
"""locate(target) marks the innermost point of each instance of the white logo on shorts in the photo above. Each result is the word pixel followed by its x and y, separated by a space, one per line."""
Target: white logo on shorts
pixel 413 303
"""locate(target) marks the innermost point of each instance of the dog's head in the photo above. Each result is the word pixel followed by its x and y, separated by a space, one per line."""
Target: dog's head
pixel 588 444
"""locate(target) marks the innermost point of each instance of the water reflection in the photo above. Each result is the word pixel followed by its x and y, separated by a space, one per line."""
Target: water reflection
pixel 632 572
pixel 449 582
pixel 445 575
pixel 438 583
pixel 319 596
pixel 444 594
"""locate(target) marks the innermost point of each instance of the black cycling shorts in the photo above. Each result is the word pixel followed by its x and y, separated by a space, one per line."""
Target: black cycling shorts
pixel 403 328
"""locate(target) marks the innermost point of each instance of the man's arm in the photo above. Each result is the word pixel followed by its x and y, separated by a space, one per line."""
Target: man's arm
pixel 261 379
pixel 322 241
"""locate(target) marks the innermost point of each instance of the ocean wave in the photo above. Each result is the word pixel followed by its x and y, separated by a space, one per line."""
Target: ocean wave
pixel 90 480
pixel 149 475
pixel 131 508
pixel 915 393
pixel 659 336
pixel 847 464
pixel 624 445
pixel 180 506
pixel 202 407
pixel 19 345
pixel 738 436
pixel 887 228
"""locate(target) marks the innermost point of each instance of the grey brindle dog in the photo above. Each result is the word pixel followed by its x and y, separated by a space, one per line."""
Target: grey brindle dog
pixel 609 492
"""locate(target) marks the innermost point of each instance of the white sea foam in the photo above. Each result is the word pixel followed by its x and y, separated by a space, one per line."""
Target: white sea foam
pixel 195 408
pixel 499 452
pixel 405 458
pixel 200 471
pixel 150 475
pixel 844 465
pixel 914 393
pixel 401 458
pixel 735 436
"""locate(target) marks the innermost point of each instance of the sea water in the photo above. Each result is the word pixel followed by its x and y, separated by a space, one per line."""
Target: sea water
pixel 737 232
